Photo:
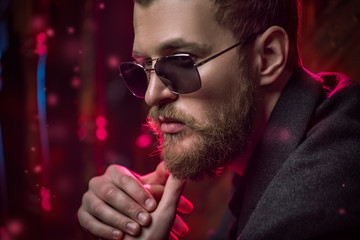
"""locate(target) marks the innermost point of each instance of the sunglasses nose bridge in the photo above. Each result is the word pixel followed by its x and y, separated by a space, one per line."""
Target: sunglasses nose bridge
pixel 157 92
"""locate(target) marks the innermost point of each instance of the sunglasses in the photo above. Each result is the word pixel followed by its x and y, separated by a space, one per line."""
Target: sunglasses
pixel 177 72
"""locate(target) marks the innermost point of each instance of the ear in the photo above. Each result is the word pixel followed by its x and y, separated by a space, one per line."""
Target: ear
pixel 271 54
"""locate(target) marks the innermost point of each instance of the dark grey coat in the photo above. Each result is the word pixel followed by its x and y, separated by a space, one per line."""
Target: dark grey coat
pixel 303 180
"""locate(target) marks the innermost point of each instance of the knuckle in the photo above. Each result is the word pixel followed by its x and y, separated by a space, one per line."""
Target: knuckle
pixel 132 209
pixel 125 180
pixel 85 198
pixel 80 216
pixel 93 182
pixel 97 208
pixel 114 168
pixel 87 223
pixel 109 192
pixel 120 222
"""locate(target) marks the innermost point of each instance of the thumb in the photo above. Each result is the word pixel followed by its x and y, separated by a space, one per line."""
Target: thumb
pixel 172 192
pixel 166 211
pixel 164 215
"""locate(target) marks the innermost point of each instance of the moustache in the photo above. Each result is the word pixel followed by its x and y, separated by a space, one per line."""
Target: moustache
pixel 170 113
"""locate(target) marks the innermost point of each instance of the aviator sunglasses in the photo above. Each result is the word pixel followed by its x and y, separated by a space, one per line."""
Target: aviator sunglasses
pixel 177 72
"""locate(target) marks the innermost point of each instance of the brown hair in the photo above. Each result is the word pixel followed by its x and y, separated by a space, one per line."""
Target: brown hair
pixel 245 17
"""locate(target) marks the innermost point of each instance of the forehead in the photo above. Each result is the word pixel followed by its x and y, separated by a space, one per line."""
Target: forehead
pixel 175 21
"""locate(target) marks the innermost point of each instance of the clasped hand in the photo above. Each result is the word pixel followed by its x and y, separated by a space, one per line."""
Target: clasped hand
pixel 121 204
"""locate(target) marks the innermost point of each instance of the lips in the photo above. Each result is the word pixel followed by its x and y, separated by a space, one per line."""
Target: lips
pixel 171 126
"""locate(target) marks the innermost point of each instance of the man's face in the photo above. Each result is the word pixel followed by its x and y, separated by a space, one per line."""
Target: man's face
pixel 201 131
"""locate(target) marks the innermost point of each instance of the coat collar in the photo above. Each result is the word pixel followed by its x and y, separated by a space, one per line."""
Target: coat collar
pixel 284 131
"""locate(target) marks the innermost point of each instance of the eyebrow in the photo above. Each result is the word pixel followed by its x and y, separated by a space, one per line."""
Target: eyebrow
pixel 178 44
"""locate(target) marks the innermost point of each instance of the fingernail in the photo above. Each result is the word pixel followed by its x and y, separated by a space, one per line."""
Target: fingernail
pixel 150 204
pixel 143 217
pixel 131 226
pixel 116 234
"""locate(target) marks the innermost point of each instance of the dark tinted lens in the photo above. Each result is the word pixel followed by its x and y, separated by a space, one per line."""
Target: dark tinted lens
pixel 178 73
pixel 135 78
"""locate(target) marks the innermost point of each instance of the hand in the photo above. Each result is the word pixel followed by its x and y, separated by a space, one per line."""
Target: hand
pixel 164 216
pixel 119 202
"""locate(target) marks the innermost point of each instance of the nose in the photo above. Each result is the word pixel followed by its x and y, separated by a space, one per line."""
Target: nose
pixel 157 93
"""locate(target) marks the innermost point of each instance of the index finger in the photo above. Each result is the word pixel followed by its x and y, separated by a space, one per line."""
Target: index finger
pixel 125 180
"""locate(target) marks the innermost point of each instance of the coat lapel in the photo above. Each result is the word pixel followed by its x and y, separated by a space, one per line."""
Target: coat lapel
pixel 284 132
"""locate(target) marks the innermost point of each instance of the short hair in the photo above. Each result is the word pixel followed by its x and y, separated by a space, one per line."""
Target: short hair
pixel 245 17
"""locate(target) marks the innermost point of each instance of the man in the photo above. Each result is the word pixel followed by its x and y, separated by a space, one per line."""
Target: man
pixel 226 89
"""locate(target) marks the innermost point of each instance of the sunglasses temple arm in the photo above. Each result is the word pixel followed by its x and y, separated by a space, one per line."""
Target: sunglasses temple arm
pixel 228 49
pixel 216 55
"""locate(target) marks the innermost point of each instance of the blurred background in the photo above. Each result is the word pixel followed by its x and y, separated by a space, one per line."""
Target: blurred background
pixel 65 116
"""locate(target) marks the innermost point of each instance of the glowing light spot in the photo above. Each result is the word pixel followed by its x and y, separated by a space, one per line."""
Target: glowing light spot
pixel 143 141
pixel 45 199
pixel 71 30
pixel 33 149
pixel 342 211
pixel 101 134
pixel 101 121
pixel 15 227
pixel 41 47
pixel 52 99
pixel 285 135
pixel 50 32
pixel 37 168
pixel 37 23
pixel 343 185
pixel 101 6
pixel 75 82
pixel 41 38
pixel 113 62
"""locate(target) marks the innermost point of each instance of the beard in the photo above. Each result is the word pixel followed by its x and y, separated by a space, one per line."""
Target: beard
pixel 214 144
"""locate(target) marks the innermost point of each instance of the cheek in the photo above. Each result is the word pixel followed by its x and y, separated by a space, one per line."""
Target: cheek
pixel 219 82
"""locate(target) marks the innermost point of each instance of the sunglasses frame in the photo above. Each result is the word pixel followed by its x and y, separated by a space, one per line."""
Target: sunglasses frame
pixel 195 65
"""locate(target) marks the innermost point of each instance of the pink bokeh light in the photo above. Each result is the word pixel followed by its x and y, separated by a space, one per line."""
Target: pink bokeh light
pixel 37 23
pixel 45 199
pixel 15 228
pixel 75 82
pixel 101 122
pixel 37 169
pixel 113 61
pixel 70 30
pixel 342 211
pixel 101 134
pixel 50 32
pixel 52 99
pixel 41 47
pixel 143 141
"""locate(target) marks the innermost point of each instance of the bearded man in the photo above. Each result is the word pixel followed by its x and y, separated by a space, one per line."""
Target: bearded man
pixel 226 88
